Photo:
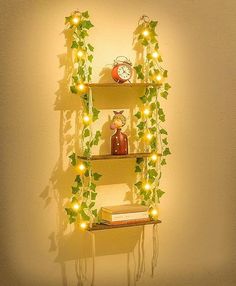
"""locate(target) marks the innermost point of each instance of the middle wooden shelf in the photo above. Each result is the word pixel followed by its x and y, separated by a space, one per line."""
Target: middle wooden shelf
pixel 115 157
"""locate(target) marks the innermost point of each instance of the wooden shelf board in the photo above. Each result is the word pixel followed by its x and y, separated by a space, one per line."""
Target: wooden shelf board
pixel 109 157
pixel 96 227
pixel 114 84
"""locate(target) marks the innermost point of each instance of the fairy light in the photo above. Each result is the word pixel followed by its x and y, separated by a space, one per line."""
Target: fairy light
pixel 80 54
pixel 159 77
pixel 146 111
pixel 75 206
pixel 149 136
pixel 154 212
pixel 75 20
pixel 83 225
pixel 145 33
pixel 147 186
pixel 86 119
pixel 81 167
pixel 154 157
pixel 81 86
pixel 155 55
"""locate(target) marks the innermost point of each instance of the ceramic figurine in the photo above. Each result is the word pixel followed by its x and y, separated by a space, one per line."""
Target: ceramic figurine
pixel 119 140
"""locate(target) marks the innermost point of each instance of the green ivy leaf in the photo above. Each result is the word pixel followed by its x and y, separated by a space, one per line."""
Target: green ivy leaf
pixel 84 216
pixel 165 73
pixel 68 19
pixel 153 24
pixel 74 45
pixel 73 89
pixel 96 176
pixel 95 113
pixel 163 162
pixel 86 132
pixel 90 58
pixel 152 173
pixel 95 213
pixel 85 14
pixel 164 94
pixel 93 196
pixel 141 125
pixel 143 98
pixel 91 48
pixel 153 121
pixel 152 106
pixel 163 131
pixel 92 187
pixel 138 169
pixel 139 160
pixel 86 173
pixel 86 194
pixel 92 205
pixel 160 193
pixel 73 159
pixel 145 42
pixel 75 190
pixel 167 86
pixel 87 24
pixel 166 152
pixel 138 115
pixel 165 141
pixel 138 185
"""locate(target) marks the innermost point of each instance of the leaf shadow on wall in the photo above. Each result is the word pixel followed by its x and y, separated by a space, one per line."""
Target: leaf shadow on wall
pixel 71 245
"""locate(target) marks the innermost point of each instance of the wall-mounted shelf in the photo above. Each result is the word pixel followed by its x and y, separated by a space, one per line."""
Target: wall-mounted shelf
pixel 114 84
pixel 115 157
pixel 96 227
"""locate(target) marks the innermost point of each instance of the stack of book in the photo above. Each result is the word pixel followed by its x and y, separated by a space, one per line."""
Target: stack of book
pixel 124 214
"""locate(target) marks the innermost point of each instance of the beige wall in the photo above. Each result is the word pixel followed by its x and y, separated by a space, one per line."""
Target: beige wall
pixel 197 236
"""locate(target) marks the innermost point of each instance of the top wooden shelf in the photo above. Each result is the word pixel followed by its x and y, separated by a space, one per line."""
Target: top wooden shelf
pixel 114 84
pixel 108 156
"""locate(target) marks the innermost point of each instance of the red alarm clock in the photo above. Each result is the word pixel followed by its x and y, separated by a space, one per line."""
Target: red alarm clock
pixel 122 70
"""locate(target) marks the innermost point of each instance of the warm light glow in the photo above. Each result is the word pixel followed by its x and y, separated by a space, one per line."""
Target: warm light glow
pixel 81 86
pixel 80 54
pixel 146 111
pixel 75 20
pixel 145 33
pixel 76 206
pixel 154 212
pixel 155 55
pixel 147 186
pixel 86 118
pixel 149 136
pixel 81 167
pixel 159 77
pixel 83 225
pixel 154 157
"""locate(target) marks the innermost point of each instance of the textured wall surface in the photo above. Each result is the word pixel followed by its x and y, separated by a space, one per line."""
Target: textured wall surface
pixel 197 236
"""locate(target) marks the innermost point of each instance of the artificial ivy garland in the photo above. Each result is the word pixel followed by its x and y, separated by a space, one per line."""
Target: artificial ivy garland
pixel 82 206
pixel 150 117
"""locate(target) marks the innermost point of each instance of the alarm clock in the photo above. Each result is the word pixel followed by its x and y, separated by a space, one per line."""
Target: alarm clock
pixel 122 70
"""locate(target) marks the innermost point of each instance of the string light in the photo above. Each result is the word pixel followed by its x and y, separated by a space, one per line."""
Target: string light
pixel 75 20
pixel 154 212
pixel 149 136
pixel 81 86
pixel 145 33
pixel 147 186
pixel 146 111
pixel 86 118
pixel 81 167
pixel 155 55
pixel 159 77
pixel 80 54
pixel 83 225
pixel 75 206
pixel 154 157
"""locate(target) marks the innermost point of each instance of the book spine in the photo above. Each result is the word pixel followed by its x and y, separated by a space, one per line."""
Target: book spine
pixel 129 216
pixel 132 221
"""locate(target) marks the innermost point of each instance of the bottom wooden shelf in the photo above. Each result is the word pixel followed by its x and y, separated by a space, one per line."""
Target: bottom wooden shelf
pixel 101 226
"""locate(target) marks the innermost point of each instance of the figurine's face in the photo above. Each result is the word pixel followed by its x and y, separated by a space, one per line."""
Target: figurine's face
pixel 118 123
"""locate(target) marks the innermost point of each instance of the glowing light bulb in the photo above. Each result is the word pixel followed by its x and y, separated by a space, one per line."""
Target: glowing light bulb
pixel 145 33
pixel 81 86
pixel 154 212
pixel 159 77
pixel 76 206
pixel 155 55
pixel 80 54
pixel 149 136
pixel 75 20
pixel 86 119
pixel 83 225
pixel 154 157
pixel 146 111
pixel 147 186
pixel 81 167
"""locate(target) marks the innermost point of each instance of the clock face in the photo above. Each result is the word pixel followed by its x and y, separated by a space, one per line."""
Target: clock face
pixel 124 72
